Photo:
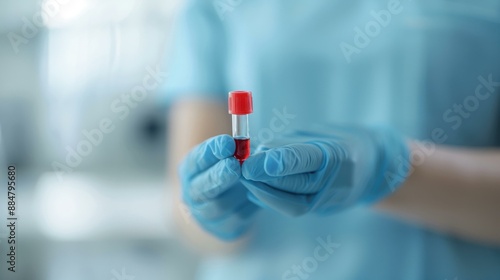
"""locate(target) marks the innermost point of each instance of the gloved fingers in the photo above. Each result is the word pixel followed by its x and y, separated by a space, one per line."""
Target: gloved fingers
pixel 340 176
pixel 207 154
pixel 223 205
pixel 280 201
pixel 253 168
pixel 256 201
pixel 214 181
pixel 233 226
pixel 306 183
pixel 282 161
pixel 240 215
pixel 293 159
pixel 254 146
pixel 260 148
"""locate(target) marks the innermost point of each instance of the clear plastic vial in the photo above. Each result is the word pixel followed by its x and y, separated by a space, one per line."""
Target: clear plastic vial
pixel 240 106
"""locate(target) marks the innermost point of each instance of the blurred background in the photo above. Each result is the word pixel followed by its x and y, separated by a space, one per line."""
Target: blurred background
pixel 78 95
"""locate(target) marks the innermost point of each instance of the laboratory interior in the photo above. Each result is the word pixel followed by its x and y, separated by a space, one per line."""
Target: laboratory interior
pixel 374 151
pixel 106 216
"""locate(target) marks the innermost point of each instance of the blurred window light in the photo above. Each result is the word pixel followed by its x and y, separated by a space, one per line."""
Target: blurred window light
pixel 83 207
pixel 67 210
pixel 59 11
pixel 63 13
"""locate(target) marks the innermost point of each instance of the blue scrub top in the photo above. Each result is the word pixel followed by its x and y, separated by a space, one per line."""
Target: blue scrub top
pixel 429 68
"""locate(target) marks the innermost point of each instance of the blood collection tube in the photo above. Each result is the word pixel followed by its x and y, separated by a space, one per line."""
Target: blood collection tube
pixel 240 106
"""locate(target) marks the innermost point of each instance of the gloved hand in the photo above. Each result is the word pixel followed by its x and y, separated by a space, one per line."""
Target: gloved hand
pixel 326 169
pixel 211 188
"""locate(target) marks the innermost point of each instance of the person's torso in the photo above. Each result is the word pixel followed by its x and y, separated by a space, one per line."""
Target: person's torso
pixel 347 62
pixel 419 66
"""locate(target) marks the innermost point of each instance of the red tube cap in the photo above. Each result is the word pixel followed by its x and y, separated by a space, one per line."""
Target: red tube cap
pixel 240 102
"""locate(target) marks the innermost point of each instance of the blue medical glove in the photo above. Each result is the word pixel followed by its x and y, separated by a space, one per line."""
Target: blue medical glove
pixel 212 190
pixel 326 169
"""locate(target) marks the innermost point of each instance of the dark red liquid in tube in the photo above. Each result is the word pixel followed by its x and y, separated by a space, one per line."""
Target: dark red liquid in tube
pixel 242 151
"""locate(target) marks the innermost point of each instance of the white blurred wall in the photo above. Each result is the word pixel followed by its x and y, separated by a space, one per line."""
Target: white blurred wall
pixel 63 78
